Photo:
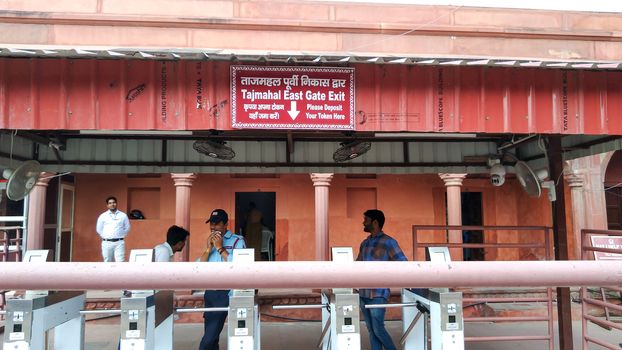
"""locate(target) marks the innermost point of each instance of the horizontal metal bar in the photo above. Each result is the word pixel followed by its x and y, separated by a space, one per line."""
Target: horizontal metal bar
pixel 102 311
pixel 603 323
pixel 602 232
pixel 289 307
pixel 480 228
pixel 602 250
pixel 505 300
pixel 601 343
pixel 255 164
pixel 11 219
pixel 307 274
pixel 202 309
pixel 506 319
pixel 483 245
pixel 602 303
pixel 383 306
pixel 613 288
pixel 507 338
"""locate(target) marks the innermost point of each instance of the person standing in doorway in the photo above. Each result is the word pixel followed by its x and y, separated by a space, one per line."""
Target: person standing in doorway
pixel 378 246
pixel 175 242
pixel 253 231
pixel 220 245
pixel 112 226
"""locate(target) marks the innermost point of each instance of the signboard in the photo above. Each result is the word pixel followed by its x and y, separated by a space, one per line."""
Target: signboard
pixel 314 98
pixel 608 242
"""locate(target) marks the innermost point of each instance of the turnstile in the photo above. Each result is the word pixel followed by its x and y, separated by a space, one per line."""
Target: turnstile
pixel 341 322
pixel 442 319
pixel 243 331
pixel 147 321
pixel 243 321
pixel 29 319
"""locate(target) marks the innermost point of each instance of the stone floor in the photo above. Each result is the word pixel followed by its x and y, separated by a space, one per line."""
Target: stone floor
pixel 304 336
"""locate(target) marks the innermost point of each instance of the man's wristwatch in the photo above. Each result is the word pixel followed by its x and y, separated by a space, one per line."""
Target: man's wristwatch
pixel 220 250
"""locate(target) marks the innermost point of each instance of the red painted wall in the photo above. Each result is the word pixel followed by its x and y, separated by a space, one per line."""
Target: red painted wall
pixel 405 199
pixel 163 95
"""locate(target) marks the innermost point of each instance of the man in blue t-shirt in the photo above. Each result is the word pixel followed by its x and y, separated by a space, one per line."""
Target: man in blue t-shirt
pixel 378 246
pixel 220 245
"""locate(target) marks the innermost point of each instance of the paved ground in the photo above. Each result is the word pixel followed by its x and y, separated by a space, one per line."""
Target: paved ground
pixel 304 335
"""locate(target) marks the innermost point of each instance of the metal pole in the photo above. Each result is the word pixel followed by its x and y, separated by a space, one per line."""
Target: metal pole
pixel 307 274
pixel 560 237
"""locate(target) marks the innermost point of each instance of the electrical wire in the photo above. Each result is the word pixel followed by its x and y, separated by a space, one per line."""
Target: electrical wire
pixel 57 175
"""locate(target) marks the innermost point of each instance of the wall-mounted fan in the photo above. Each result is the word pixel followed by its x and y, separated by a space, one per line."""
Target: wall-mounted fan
pixel 533 182
pixel 351 150
pixel 214 149
pixel 21 180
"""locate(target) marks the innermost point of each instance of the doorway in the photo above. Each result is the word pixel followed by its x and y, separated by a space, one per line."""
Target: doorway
pixel 255 214
pixel 64 233
pixel 472 216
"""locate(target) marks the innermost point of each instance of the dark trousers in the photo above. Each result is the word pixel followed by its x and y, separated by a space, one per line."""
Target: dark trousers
pixel 213 322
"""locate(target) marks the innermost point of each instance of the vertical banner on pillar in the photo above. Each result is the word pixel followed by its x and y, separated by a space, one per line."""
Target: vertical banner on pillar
pixel 315 98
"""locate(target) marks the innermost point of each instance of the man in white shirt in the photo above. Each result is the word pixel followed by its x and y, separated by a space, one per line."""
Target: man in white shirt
pixel 112 226
pixel 175 242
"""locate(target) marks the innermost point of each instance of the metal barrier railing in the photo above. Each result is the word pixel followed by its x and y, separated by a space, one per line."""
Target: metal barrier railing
pixel 10 248
pixel 600 245
pixel 543 244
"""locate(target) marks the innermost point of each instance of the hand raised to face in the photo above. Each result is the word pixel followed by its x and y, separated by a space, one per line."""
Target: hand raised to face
pixel 215 239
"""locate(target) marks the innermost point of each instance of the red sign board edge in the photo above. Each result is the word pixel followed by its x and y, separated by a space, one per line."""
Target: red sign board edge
pixel 234 124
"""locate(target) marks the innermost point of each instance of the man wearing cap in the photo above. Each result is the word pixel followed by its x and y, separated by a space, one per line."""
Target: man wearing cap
pixel 378 246
pixel 220 245
pixel 112 226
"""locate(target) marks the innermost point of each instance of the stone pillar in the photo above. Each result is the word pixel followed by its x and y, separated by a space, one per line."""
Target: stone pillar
pixel 593 174
pixel 183 184
pixel 321 183
pixel 453 182
pixel 575 182
pixel 36 212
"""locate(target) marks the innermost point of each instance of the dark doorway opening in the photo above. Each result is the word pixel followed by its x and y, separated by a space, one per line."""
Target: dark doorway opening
pixel 613 199
pixel 472 216
pixel 255 214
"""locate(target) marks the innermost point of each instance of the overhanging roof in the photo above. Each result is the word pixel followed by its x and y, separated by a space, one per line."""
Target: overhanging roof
pixel 280 152
pixel 290 57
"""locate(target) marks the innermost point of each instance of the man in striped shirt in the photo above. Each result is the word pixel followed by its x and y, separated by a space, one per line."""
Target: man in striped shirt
pixel 378 246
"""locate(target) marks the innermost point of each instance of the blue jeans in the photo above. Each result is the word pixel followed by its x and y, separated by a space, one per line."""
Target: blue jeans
pixel 374 320
pixel 213 322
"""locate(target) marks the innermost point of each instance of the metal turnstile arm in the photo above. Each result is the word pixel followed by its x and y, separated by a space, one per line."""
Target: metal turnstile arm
pixel 384 306
pixel 324 332
pixel 202 309
pixel 410 327
pixel 310 306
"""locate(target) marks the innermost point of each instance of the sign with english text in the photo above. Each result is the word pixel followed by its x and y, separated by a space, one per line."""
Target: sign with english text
pixel 312 98
pixel 608 242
